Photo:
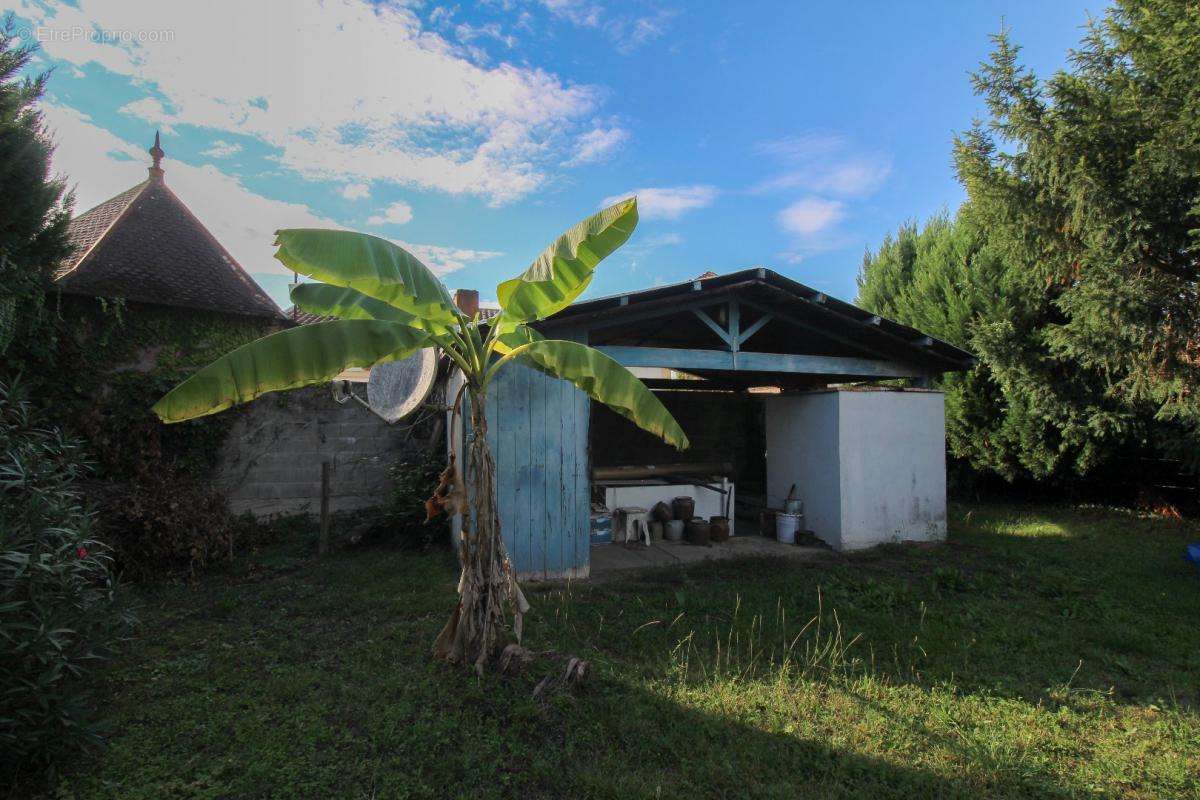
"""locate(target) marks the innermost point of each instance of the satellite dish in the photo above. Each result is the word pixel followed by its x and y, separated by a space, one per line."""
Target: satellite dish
pixel 397 388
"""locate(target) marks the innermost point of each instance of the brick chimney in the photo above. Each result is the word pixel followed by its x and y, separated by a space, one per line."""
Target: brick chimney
pixel 467 301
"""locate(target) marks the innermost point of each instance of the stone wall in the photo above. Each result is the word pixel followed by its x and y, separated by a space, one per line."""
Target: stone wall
pixel 271 461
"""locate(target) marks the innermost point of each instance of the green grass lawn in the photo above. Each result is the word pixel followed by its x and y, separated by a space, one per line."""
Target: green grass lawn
pixel 1043 652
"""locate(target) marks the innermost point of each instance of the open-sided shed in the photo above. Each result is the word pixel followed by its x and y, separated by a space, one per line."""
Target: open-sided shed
pixel 766 377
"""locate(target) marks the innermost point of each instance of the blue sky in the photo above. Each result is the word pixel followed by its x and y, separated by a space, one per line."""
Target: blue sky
pixel 790 135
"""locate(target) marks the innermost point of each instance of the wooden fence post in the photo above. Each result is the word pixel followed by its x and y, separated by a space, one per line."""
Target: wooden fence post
pixel 323 545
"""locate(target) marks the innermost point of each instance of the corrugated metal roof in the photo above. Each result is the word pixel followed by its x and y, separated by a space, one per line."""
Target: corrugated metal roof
pixel 782 294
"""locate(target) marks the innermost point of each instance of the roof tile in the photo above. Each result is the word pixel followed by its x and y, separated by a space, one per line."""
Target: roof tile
pixel 145 245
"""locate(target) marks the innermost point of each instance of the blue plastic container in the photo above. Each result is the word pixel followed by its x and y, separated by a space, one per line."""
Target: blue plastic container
pixel 601 532
pixel 1192 553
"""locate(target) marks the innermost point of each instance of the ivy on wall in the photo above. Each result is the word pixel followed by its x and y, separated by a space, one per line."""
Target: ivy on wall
pixel 101 364
pixel 97 366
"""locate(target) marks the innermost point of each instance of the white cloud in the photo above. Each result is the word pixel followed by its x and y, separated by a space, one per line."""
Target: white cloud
pixel 636 252
pixel 630 33
pixel 854 178
pixel 101 165
pixel 443 259
pixel 665 239
pixel 152 111
pixel 356 191
pixel 801 148
pixel 398 213
pixel 810 216
pixel 823 164
pixel 466 32
pixel 597 144
pixel 577 12
pixel 668 202
pixel 222 149
pixel 858 177
pixel 386 99
pixel 627 32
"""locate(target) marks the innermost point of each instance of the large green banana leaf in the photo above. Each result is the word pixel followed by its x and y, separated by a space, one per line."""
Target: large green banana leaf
pixel 507 341
pixel 564 269
pixel 287 360
pixel 345 303
pixel 376 267
pixel 605 381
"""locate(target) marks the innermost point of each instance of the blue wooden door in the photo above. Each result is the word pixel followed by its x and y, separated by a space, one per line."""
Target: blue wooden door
pixel 538 431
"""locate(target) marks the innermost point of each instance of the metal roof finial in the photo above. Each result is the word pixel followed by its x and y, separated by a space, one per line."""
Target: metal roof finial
pixel 156 152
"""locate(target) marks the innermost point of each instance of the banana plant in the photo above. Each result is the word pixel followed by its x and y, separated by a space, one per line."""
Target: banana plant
pixel 389 305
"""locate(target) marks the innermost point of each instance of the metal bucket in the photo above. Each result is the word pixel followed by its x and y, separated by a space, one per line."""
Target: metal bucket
pixel 793 506
pixel 673 530
pixel 786 526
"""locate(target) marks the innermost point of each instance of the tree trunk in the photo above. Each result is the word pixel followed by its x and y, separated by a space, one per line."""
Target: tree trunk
pixel 488 585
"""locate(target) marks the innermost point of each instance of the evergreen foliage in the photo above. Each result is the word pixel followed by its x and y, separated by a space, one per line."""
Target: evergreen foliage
pixel 1073 269
pixel 36 208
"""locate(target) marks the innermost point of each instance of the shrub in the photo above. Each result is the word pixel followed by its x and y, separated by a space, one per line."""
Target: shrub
pixel 164 522
pixel 413 481
pixel 156 507
pixel 59 612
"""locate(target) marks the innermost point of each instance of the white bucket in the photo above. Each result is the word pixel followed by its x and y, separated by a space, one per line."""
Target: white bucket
pixel 673 530
pixel 785 527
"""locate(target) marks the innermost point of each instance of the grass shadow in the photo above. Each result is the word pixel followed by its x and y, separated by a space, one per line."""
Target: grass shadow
pixel 951 672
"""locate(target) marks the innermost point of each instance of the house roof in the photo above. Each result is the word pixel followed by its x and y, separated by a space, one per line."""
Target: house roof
pixel 302 317
pixel 145 245
pixel 665 316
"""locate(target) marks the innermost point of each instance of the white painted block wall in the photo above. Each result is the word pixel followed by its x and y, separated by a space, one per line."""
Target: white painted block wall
pixel 802 448
pixel 708 503
pixel 870 466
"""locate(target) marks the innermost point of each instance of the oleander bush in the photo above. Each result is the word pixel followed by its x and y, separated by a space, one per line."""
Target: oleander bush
pixel 60 613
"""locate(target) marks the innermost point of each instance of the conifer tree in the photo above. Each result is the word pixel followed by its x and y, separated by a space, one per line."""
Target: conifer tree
pixel 1088 184
pixel 36 208
pixel 1072 270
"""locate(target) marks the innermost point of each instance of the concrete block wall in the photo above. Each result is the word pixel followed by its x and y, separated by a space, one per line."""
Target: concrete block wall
pixel 271 461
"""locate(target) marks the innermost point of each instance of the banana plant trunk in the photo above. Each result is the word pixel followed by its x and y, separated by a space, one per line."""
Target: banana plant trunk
pixel 487 585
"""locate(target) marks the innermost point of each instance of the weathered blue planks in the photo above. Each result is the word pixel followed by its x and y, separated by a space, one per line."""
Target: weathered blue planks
pixel 582 496
pixel 540 427
pixel 553 526
pixel 571 458
pixel 518 417
pixel 502 437
pixel 538 430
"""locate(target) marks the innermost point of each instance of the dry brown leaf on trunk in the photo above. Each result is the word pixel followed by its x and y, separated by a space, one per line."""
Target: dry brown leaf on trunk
pixel 450 496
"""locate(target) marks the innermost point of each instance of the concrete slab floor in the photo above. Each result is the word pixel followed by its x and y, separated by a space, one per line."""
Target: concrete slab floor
pixel 617 557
